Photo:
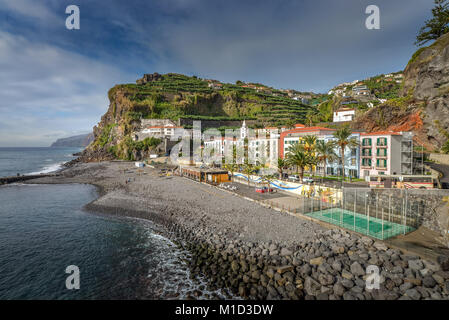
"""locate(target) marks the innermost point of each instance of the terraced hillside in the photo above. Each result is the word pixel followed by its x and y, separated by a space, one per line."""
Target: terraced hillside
pixel 174 96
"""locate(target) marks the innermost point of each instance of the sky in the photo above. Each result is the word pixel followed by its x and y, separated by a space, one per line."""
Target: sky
pixel 54 81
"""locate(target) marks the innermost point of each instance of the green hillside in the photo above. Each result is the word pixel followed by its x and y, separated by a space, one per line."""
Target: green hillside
pixel 174 96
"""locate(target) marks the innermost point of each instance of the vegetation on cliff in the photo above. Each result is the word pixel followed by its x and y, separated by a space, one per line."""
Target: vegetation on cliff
pixel 435 27
pixel 174 96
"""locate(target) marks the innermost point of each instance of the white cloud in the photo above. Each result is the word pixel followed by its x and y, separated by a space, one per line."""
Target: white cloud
pixel 30 8
pixel 46 90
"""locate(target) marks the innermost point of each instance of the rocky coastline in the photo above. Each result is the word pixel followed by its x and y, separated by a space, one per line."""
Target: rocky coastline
pixel 255 252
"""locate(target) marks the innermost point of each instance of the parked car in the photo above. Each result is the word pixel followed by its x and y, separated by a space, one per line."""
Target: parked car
pixel 264 190
pixel 307 180
pixel 293 177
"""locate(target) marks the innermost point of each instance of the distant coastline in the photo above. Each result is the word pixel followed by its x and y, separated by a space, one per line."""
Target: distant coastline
pixel 81 141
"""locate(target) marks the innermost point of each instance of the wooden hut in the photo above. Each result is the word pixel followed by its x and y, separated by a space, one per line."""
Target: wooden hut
pixel 209 175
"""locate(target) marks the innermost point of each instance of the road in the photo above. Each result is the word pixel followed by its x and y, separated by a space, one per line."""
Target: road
pixel 444 169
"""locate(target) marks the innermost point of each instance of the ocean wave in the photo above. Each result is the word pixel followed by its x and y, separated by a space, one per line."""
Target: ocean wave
pixel 49 169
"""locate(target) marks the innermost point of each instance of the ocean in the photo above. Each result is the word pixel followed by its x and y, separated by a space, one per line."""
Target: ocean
pixel 33 160
pixel 44 229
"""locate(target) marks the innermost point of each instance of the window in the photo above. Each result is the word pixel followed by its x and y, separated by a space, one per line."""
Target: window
pixel 366 152
pixel 366 162
pixel 381 141
pixel 366 142
pixel 353 162
pixel 381 163
pixel 382 152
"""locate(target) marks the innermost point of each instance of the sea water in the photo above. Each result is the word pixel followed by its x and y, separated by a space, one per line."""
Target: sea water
pixel 22 161
pixel 44 229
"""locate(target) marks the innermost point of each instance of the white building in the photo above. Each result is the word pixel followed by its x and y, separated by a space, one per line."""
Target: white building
pixel 344 115
pixel 168 131
pixel 263 144
pixel 386 153
pixel 361 90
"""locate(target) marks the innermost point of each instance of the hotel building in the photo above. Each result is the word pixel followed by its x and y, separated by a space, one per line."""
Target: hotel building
pixel 386 153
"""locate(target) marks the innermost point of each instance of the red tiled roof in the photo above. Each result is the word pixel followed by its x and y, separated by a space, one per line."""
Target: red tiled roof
pixel 162 127
pixel 298 130
pixel 307 129
pixel 382 133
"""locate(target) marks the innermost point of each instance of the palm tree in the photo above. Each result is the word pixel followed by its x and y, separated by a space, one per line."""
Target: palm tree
pixel 268 179
pixel 290 124
pixel 310 117
pixel 232 167
pixel 282 164
pixel 248 170
pixel 344 141
pixel 325 152
pixel 309 147
pixel 298 157
pixel 309 143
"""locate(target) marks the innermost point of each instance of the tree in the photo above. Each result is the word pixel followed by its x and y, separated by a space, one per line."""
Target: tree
pixel 309 143
pixel 344 141
pixel 436 26
pixel 298 157
pixel 310 118
pixel 282 164
pixel 445 147
pixel 268 179
pixel 325 152
pixel 309 147
pixel 290 124
pixel 248 170
pixel 231 167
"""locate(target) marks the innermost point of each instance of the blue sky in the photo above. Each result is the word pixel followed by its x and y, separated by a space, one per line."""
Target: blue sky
pixel 54 81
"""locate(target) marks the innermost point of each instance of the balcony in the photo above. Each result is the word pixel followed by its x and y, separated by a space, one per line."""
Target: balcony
pixel 381 168
pixel 366 165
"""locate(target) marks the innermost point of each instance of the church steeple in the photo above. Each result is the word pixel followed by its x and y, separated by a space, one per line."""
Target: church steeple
pixel 243 130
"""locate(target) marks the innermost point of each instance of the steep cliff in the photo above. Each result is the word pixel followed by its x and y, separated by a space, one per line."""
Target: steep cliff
pixel 423 105
pixel 175 96
pixel 81 141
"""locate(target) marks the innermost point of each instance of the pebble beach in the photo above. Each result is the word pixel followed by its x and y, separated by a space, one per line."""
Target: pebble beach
pixel 255 252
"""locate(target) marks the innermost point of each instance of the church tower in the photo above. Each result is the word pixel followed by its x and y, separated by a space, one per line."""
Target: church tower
pixel 243 130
